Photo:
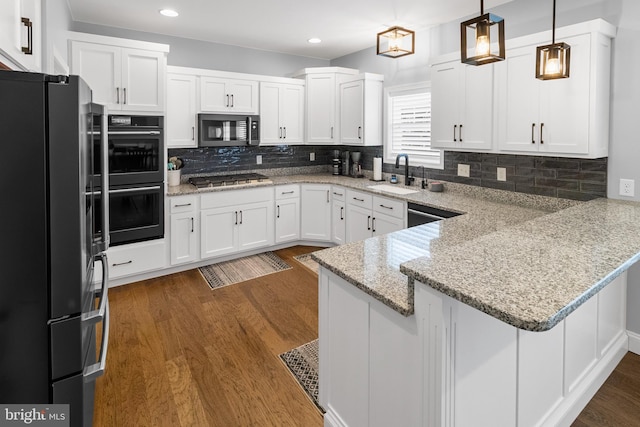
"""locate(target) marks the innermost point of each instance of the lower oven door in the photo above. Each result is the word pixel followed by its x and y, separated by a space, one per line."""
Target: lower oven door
pixel 136 213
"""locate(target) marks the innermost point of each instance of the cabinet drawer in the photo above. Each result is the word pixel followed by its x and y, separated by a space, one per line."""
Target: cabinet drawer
pixel 235 197
pixel 182 204
pixel 291 191
pixel 394 208
pixel 136 258
pixel 338 193
pixel 357 198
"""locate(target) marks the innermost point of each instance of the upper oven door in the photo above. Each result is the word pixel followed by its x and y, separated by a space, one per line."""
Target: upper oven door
pixel 136 153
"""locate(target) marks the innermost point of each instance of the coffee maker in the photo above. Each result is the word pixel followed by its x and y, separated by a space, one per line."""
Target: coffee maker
pixel 356 167
pixel 336 162
pixel 346 157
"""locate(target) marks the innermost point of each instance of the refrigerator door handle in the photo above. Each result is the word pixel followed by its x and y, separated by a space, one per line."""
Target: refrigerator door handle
pixel 104 159
pixel 92 372
pixel 98 315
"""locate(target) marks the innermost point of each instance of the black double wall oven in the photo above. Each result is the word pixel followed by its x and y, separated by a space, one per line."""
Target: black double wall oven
pixel 136 178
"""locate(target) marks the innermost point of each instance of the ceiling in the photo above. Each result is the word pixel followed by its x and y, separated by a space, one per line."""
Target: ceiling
pixel 345 26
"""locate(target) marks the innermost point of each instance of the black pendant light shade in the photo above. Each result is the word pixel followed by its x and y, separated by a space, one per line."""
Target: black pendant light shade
pixel 553 60
pixel 482 39
pixel 396 42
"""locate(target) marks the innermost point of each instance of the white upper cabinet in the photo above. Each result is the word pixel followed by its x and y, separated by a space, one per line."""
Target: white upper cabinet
pixel 564 117
pixel 281 113
pixel 181 110
pixel 124 75
pixel 361 110
pixel 223 95
pixel 20 33
pixel 461 106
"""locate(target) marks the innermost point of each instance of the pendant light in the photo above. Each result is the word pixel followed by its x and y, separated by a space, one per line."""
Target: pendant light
pixel 396 42
pixel 476 39
pixel 552 60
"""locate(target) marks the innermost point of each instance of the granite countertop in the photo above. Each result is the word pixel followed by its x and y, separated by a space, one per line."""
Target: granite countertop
pixel 526 260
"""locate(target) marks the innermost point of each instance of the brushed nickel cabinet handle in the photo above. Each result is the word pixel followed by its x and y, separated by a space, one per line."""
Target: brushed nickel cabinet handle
pixel 541 140
pixel 533 130
pixel 29 49
pixel 455 127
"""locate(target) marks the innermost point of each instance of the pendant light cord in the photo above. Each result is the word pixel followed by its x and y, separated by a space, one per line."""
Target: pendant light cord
pixel 553 28
pixel 482 7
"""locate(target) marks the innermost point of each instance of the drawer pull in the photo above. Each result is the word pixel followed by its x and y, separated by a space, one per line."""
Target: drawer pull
pixel 338 194
pixel 288 192
pixel 359 200
pixel 122 263
pixel 182 205
pixel 386 207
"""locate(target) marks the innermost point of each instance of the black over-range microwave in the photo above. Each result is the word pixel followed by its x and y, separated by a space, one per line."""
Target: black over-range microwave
pixel 223 130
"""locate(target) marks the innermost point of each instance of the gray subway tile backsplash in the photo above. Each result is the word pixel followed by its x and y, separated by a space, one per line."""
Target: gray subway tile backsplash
pixel 571 178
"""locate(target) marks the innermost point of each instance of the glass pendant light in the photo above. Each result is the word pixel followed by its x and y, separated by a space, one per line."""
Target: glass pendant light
pixel 476 37
pixel 396 42
pixel 552 60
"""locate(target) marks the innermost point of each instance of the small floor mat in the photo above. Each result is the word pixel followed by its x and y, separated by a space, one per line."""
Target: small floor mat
pixel 303 364
pixel 308 262
pixel 241 269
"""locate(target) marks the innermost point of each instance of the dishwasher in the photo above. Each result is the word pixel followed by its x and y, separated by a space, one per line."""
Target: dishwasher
pixel 419 214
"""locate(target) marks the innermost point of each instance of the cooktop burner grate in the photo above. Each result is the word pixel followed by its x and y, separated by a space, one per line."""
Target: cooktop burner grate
pixel 227 180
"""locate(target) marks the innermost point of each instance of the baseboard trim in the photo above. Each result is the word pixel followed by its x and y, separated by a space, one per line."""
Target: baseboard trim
pixel 634 342
pixel 331 419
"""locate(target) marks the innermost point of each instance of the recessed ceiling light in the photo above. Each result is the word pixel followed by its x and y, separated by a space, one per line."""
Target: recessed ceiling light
pixel 314 40
pixel 169 12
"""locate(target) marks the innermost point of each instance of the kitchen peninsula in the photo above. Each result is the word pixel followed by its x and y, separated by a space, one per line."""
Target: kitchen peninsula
pixel 481 319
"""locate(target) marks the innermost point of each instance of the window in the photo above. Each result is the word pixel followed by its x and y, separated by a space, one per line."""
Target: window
pixel 408 125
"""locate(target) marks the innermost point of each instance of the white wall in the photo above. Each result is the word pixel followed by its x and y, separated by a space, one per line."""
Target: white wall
pixel 525 17
pixel 214 56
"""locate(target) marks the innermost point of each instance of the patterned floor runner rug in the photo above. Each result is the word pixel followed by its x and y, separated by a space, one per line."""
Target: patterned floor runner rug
pixel 308 262
pixel 238 270
pixel 303 364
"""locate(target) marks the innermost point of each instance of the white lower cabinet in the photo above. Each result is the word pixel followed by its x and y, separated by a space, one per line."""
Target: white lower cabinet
pixel 228 225
pixel 287 213
pixel 449 364
pixel 369 216
pixel 136 258
pixel 315 218
pixel 338 216
pixel 185 229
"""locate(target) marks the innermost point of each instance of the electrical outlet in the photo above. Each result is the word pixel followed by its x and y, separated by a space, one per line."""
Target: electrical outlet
pixel 312 156
pixel 259 159
pixel 502 174
pixel 627 187
pixel 463 170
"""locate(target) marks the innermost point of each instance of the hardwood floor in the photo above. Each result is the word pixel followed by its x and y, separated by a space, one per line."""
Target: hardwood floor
pixel 181 354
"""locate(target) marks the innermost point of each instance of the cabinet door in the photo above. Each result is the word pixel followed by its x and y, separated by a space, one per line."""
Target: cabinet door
pixel 218 234
pixel 359 222
pixel 142 80
pixel 475 127
pixel 181 111
pixel 321 109
pixel 315 218
pixel 213 95
pixel 255 226
pixel 14 34
pixel 445 95
pixel 270 125
pixel 287 220
pixel 384 224
pixel 100 66
pixel 518 101
pixel 292 112
pixel 243 96
pixel 338 222
pixel 351 112
pixel 184 229
pixel 564 104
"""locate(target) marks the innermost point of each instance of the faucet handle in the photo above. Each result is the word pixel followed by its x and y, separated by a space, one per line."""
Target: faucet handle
pixel 410 179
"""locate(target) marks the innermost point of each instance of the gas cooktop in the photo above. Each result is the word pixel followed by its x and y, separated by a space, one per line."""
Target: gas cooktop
pixel 227 180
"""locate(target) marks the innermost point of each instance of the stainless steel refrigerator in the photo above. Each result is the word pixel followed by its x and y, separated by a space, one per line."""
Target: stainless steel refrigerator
pixel 51 312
